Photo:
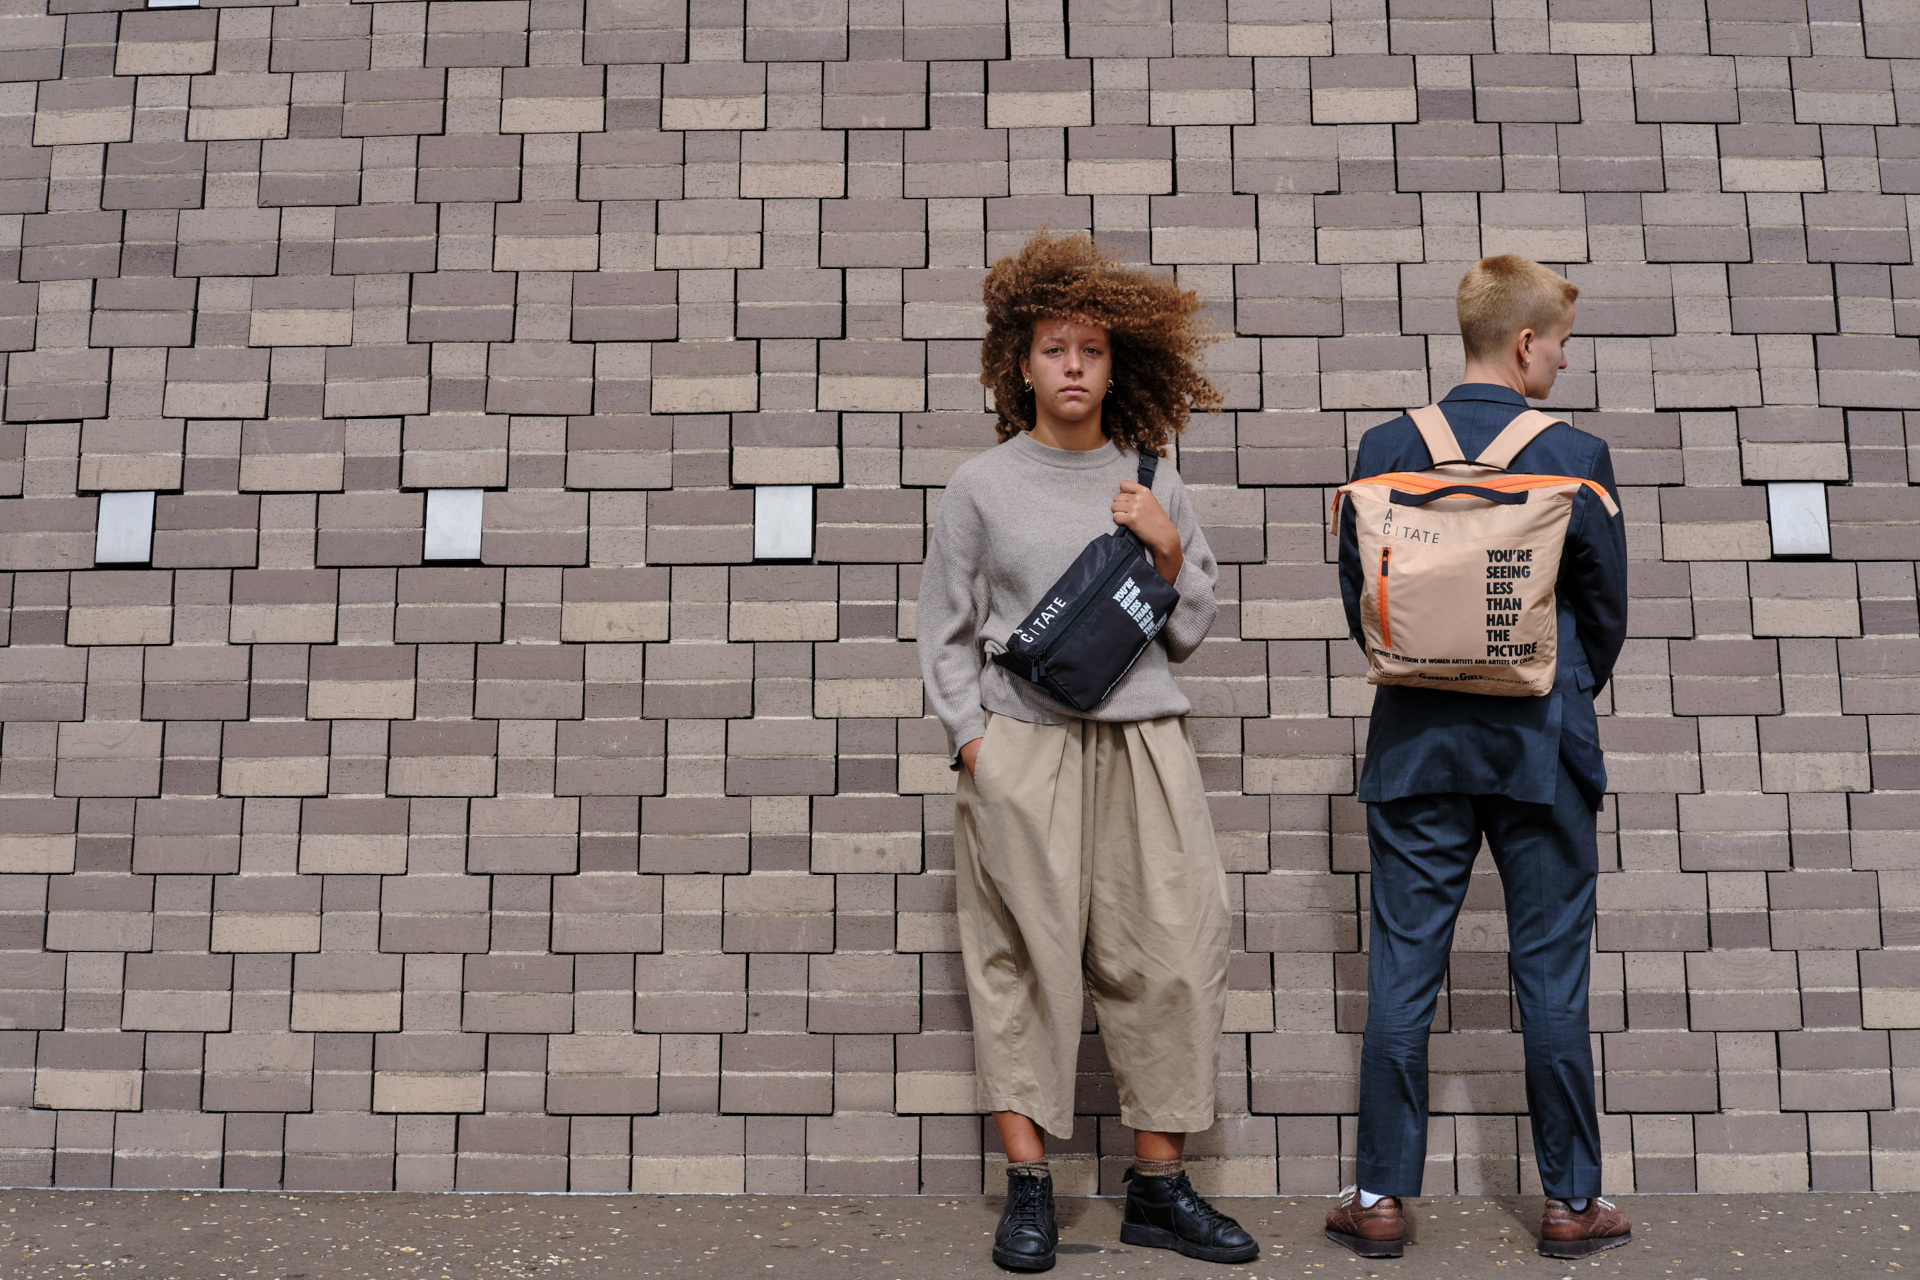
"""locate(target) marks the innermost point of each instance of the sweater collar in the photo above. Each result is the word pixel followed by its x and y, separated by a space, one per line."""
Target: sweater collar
pixel 1072 459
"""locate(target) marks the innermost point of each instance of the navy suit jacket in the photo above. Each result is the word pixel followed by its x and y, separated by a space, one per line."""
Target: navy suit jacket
pixel 1425 741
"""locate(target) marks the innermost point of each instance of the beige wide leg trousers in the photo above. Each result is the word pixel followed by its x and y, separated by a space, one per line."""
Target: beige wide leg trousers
pixel 1084 860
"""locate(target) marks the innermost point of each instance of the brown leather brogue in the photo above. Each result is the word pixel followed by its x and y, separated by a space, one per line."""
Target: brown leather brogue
pixel 1566 1234
pixel 1379 1232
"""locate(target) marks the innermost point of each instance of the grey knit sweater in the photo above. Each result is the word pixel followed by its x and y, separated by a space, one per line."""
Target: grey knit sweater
pixel 1013 520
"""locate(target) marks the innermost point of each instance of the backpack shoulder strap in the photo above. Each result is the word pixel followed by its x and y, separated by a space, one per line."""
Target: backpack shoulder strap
pixel 1149 463
pixel 1441 444
pixel 1514 437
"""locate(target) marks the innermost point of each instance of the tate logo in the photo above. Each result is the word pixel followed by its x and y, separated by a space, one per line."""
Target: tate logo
pixel 1040 621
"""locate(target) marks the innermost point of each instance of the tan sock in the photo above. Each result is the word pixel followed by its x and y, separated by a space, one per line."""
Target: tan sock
pixel 1031 1168
pixel 1157 1168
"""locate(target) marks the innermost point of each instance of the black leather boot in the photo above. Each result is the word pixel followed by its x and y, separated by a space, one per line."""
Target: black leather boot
pixel 1167 1213
pixel 1027 1234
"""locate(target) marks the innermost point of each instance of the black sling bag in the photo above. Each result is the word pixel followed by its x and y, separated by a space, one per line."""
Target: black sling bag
pixel 1094 623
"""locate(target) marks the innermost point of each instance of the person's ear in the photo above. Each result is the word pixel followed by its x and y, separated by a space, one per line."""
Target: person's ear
pixel 1524 347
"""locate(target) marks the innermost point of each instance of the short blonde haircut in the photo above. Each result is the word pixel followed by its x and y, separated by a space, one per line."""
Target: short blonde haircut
pixel 1502 295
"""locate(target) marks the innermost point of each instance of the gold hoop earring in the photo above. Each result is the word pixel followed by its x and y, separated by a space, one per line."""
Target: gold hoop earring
pixel 1026 384
pixel 1109 384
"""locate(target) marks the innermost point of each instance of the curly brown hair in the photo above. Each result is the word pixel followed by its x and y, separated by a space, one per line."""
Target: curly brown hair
pixel 1154 327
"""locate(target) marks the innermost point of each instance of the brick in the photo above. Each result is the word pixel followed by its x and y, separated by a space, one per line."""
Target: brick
pixel 1362 89
pixel 714 96
pixel 1835 1071
pixel 108 758
pixel 376 381
pixel 689 1152
pixel 953 31
pixel 393 101
pixel 143 313
pixel 322 41
pixel 1649 911
pixel 602 1074
pixel 437 913
pixel 377 239
pixel 78 111
pixel 100 913
pixel 1661 1071
pixel 332 1150
pixel 283 606
pixel 1313 1073
pixel 781 913
pixel 459 36
pixel 346 992
pixel 1274 159
pixel 47 386
pixel 874 95
pixel 266 913
pixel 37 836
pixel 623 306
pixel 239 105
pixel 428 1072
pixel 205 531
pixel 187 835
pixel 1824 910
pixel 553 100
pixel 112 606
pixel 539 378
pixel 1676 88
pixel 177 993
pixel 776 1074
pixel 956 163
pixel 690 993
pixel 310 171
pixel 441 758
pixel 342 836
pixel 519 994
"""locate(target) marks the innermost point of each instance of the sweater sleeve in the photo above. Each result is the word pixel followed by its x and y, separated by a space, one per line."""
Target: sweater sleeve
pixel 952 609
pixel 1193 616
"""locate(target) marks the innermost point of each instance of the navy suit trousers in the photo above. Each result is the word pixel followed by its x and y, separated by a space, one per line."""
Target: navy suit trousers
pixel 1423 851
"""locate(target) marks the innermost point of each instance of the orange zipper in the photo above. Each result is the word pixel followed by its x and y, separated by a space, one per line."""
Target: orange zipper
pixel 1386 631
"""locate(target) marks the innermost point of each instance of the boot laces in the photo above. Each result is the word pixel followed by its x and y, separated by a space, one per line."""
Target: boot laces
pixel 1194 1203
pixel 1027 1206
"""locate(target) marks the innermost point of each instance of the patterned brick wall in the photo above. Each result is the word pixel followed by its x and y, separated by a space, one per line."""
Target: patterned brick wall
pixel 615 859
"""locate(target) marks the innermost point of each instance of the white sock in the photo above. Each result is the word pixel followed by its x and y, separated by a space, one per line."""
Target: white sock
pixel 1368 1199
pixel 1578 1206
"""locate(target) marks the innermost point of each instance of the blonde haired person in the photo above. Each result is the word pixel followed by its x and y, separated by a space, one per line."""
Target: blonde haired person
pixel 1083 848
pixel 1445 769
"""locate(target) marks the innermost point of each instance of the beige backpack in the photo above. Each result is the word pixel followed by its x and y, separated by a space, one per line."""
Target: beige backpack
pixel 1460 564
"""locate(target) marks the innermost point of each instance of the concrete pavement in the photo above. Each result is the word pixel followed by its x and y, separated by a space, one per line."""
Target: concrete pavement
pixel 236 1235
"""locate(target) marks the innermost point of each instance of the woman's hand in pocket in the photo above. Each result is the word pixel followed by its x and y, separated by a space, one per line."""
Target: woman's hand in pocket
pixel 969 753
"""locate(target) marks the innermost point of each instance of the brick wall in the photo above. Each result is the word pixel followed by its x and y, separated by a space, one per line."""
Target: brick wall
pixel 612 858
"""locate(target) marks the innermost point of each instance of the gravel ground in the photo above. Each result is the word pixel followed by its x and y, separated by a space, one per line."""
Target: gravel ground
pixel 235 1235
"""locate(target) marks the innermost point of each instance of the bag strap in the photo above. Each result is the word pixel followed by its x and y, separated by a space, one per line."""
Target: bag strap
pixel 1514 437
pixel 1149 463
pixel 1441 444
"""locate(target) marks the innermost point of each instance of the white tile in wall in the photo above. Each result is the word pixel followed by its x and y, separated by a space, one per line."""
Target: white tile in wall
pixel 453 524
pixel 1797 511
pixel 124 534
pixel 783 522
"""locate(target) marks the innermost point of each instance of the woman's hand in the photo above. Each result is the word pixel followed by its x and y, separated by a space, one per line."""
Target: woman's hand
pixel 1136 508
pixel 970 753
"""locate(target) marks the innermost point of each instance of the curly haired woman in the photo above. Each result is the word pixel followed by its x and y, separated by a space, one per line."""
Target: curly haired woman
pixel 1083 848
